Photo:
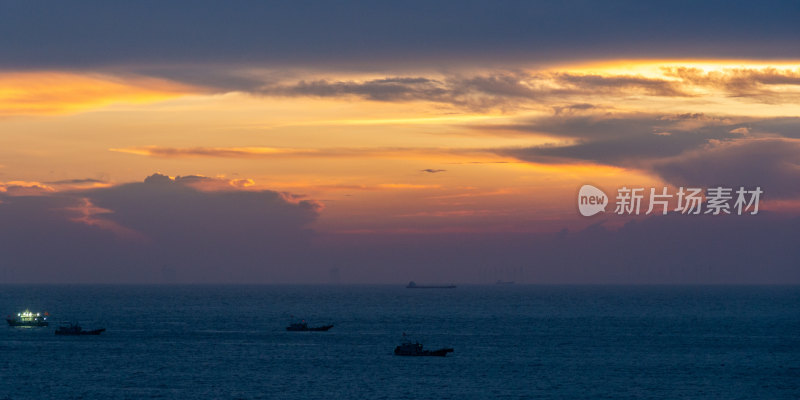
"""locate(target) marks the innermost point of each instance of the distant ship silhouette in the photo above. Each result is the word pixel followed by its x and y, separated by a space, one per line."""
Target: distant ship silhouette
pixel 413 285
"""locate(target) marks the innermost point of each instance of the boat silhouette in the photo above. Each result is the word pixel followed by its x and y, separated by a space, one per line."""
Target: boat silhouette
pixel 303 327
pixel 76 330
pixel 415 349
pixel 413 285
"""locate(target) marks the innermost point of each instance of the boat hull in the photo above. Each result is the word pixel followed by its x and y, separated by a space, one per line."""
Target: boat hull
pixel 424 353
pixel 431 287
pixel 307 329
pixel 413 285
pixel 13 322
pixel 81 333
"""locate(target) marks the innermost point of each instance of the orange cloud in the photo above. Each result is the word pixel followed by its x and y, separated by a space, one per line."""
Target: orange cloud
pixel 47 93
pixel 280 152
pixel 227 152
pixel 24 188
pixel 406 186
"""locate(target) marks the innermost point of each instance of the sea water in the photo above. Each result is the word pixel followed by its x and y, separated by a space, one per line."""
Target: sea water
pixel 510 341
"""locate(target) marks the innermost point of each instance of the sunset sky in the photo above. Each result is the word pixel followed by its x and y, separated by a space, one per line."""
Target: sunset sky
pixel 364 142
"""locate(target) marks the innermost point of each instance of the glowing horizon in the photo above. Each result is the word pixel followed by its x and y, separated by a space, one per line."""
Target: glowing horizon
pixel 350 138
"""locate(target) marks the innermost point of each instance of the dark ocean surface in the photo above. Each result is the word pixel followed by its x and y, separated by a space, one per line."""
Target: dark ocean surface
pixel 511 342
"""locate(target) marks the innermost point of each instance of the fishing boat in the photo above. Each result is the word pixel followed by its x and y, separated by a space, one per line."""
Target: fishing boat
pixel 415 349
pixel 28 319
pixel 76 330
pixel 303 327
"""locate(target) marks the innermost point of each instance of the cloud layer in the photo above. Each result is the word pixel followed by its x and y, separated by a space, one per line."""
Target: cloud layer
pixel 168 230
pixel 201 229
pixel 364 32
pixel 515 89
pixel 673 249
pixel 772 164
pixel 686 149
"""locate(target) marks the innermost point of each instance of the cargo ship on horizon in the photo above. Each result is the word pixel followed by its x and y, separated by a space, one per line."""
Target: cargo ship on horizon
pixel 413 285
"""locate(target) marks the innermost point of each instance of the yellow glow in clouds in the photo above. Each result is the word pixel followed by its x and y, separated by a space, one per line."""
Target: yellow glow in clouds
pixel 45 93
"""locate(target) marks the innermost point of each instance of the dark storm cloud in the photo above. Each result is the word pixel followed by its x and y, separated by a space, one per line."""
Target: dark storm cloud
pixel 595 127
pixel 684 149
pixel 356 33
pixel 215 77
pixel 484 91
pixel 623 151
pixel 162 208
pixel 772 164
pixel 476 92
pixel 622 139
pixel 615 84
pixel 786 127
pixel 387 89
pixel 130 232
pixel 515 89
